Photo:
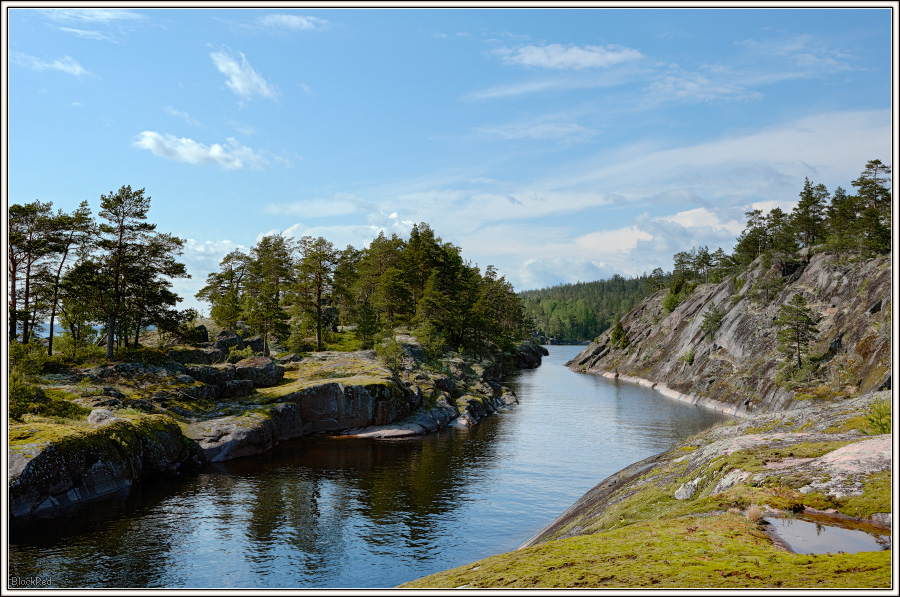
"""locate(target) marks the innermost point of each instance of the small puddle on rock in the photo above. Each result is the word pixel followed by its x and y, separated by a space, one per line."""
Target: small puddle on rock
pixel 806 537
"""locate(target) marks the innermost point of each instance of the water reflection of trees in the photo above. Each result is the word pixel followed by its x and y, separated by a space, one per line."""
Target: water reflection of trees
pixel 320 499
pixel 116 542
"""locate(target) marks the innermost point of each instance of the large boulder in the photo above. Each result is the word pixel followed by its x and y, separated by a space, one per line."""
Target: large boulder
pixel 202 356
pixel 262 371
pixel 211 375
pixel 247 434
pixel 255 344
pixel 227 340
pixel 201 334
pixel 529 353
pixel 58 472
pixel 236 388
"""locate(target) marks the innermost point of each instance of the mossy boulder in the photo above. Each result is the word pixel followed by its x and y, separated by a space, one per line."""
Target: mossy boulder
pixel 52 467
pixel 262 371
pixel 254 431
pixel 198 355
pixel 213 375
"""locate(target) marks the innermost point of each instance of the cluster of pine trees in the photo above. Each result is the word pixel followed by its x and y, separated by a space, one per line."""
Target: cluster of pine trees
pixel 70 269
pixel 299 291
pixel 859 224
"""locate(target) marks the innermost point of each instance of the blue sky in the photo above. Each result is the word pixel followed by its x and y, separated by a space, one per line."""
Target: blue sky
pixel 557 144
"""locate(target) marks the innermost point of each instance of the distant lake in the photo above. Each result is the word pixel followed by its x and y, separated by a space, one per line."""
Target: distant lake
pixel 320 512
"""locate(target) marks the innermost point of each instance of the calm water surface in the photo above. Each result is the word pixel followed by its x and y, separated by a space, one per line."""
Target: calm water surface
pixel 321 512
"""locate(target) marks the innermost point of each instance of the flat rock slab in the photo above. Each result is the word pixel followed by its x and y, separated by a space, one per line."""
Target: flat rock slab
pixel 388 431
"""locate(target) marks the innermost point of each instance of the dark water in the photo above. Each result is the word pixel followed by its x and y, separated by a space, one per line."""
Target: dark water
pixel 350 513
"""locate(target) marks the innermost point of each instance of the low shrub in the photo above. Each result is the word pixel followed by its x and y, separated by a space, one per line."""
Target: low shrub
pixel 878 421
pixel 754 514
pixel 391 354
pixel 26 398
pixel 235 355
pixel 29 359
pixel 144 356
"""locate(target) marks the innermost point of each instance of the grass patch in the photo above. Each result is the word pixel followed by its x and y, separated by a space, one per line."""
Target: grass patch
pixel 876 497
pixel 725 551
pixel 343 342
pixel 763 428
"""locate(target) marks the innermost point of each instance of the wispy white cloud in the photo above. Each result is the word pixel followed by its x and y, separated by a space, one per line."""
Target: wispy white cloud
pixel 86 34
pixel 695 87
pixel 232 155
pixel 702 217
pixel 242 79
pixel 244 129
pixel 93 15
pixel 66 64
pixel 697 194
pixel 538 130
pixel 182 115
pixel 341 235
pixel 294 22
pixel 559 57
pixel 560 82
pixel 767 206
pixel 742 168
pixel 99 24
pixel 206 255
pixel 811 55
pixel 550 271
pixel 337 205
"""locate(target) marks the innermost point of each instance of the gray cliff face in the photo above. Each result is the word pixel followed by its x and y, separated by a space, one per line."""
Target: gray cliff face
pixel 735 370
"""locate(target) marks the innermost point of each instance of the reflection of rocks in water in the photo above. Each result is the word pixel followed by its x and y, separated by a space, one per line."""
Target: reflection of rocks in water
pixel 319 493
pixel 805 537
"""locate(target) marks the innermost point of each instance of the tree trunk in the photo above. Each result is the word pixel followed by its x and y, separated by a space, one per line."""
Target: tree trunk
pixel 50 339
pixel 12 307
pixel 25 330
pixel 318 321
pixel 110 336
pixel 137 334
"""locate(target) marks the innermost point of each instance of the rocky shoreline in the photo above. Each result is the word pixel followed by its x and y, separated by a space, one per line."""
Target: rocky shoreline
pixel 171 419
pixel 735 410
pixel 683 517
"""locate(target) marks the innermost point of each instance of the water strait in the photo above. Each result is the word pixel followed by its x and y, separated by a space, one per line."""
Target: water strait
pixel 323 512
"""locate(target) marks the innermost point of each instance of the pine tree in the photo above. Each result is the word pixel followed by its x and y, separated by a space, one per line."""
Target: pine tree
pixel 808 216
pixel 224 290
pixel 797 328
pixel 712 320
pixel 617 337
pixel 269 276
pixel 873 187
pixel 28 243
pixel 315 279
pixel 72 233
